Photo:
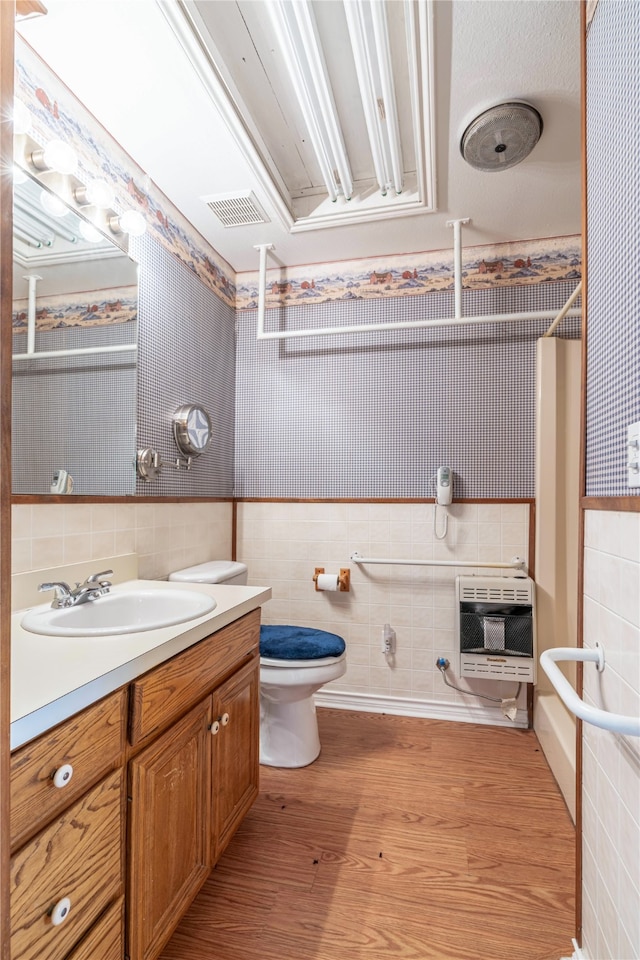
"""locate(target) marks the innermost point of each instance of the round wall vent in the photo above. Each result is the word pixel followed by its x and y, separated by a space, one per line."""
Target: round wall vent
pixel 501 136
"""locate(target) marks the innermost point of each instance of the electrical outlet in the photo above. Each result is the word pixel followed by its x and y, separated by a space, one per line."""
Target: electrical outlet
pixel 633 455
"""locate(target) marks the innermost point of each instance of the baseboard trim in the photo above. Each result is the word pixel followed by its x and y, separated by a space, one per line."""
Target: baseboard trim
pixel 426 709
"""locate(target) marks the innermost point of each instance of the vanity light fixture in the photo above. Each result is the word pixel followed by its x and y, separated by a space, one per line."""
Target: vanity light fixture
pixel 96 193
pixel 19 176
pixel 130 222
pixel 90 233
pixel 369 35
pixel 300 46
pixel 56 155
pixel 53 205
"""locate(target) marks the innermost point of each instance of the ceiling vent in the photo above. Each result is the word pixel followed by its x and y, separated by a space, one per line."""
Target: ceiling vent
pixel 236 209
pixel 502 136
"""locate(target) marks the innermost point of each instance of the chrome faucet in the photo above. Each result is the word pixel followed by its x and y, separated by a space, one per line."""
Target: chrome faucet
pixel 62 596
pixel 93 587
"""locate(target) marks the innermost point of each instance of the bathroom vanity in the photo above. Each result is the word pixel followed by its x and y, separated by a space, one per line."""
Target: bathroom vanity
pixel 121 809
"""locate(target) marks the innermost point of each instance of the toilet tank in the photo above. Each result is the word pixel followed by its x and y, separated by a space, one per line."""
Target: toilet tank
pixel 214 571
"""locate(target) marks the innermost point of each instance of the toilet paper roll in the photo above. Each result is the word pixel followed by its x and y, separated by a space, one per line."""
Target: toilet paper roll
pixel 328 581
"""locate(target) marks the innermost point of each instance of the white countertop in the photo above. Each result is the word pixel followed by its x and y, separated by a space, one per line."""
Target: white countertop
pixel 54 677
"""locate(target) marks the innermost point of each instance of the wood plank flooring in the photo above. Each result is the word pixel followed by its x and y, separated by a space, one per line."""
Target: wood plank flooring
pixel 407 838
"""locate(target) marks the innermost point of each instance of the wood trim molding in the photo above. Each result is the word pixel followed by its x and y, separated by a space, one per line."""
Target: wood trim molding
pixel 380 500
pixel 583 459
pixel 18 498
pixel 7 24
pixel 622 504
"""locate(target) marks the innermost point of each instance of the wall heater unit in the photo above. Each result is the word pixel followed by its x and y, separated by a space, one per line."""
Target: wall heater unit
pixel 497 628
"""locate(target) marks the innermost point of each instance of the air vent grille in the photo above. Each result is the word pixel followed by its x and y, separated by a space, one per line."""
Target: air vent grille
pixel 496 592
pixel 236 209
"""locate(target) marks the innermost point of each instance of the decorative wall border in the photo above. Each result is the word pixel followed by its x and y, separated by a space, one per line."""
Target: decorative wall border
pixel 518 263
pixel 56 112
pixel 96 308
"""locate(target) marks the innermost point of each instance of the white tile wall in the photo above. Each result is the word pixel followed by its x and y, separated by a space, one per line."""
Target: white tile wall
pixel 611 780
pixel 283 542
pixel 166 536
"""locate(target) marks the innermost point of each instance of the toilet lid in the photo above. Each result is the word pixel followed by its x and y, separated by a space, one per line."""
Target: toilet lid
pixel 279 642
pixel 213 571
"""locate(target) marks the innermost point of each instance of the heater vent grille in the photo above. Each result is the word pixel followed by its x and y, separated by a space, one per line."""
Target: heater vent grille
pixel 236 209
pixel 497 593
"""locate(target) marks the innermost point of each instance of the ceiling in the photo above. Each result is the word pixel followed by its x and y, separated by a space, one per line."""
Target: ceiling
pixel 198 94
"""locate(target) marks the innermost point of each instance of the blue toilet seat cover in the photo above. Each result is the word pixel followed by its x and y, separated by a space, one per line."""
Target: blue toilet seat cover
pixel 299 643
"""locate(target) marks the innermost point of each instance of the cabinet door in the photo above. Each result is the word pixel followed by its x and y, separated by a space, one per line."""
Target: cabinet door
pixel 235 752
pixel 170 818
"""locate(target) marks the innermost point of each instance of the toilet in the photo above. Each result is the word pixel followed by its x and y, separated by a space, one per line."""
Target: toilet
pixel 294 663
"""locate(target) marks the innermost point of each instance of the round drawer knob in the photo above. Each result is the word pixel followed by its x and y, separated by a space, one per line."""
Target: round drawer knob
pixel 62 775
pixel 60 911
pixel 215 726
pixel 224 719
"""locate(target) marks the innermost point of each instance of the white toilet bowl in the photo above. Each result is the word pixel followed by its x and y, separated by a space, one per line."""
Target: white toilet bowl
pixel 288 722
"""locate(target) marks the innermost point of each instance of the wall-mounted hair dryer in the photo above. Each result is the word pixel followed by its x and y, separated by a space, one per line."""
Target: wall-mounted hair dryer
pixel 444 496
pixel 444 486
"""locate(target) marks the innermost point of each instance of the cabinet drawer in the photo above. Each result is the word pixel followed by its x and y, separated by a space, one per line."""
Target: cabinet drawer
pixel 105 940
pixel 78 856
pixel 167 691
pixel 92 742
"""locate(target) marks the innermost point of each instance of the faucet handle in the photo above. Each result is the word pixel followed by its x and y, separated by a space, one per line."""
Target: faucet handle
pixel 63 587
pixel 98 578
pixel 63 593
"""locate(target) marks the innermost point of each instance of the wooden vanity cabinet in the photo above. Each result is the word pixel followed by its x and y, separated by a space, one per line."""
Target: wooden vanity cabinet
pixel 182 786
pixel 192 779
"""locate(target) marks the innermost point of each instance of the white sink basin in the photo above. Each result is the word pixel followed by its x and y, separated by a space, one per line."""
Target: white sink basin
pixel 118 613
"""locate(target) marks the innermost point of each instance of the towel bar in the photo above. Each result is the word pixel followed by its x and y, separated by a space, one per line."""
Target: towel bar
pixel 614 722
pixel 516 563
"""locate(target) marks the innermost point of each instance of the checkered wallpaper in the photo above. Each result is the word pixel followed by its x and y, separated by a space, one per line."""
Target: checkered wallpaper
pixel 613 196
pixel 374 415
pixel 186 355
pixel 75 413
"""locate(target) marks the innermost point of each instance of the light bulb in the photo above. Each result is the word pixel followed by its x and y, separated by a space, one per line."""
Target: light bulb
pixel 21 117
pixel 133 223
pixel 53 205
pixel 59 156
pixel 98 193
pixel 90 233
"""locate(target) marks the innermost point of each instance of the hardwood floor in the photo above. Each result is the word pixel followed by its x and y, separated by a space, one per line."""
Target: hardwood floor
pixel 407 838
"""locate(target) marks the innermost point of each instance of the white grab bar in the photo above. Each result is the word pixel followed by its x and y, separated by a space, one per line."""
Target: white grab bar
pixel 614 722
pixel 516 563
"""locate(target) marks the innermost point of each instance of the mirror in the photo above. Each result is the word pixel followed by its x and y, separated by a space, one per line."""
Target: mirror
pixel 74 347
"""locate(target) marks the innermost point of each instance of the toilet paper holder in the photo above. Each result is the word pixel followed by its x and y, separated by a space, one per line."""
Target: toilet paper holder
pixel 342 580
